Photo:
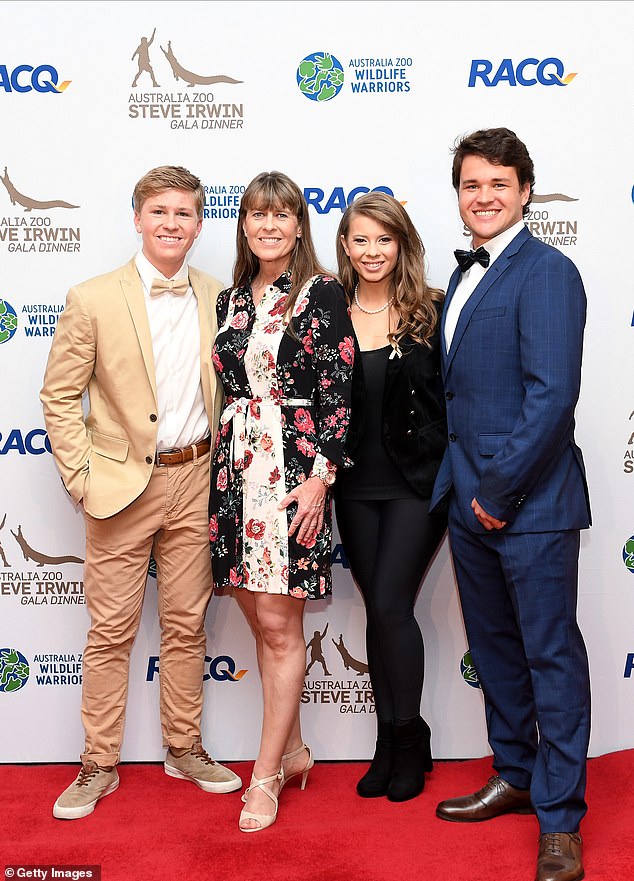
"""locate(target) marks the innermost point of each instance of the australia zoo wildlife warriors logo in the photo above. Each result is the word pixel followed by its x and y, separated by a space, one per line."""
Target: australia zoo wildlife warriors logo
pixel 50 581
pixel 200 108
pixel 37 231
pixel 346 695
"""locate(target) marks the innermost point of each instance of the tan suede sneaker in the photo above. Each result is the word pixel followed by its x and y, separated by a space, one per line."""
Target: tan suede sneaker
pixel 201 769
pixel 79 799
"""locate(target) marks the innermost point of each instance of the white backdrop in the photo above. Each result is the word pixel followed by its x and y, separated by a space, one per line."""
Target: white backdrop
pixel 76 136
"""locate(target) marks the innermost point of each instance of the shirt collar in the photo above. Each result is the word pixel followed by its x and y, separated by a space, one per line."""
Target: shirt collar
pixel 149 272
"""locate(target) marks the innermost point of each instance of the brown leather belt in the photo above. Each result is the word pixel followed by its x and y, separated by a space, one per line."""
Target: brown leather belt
pixel 182 455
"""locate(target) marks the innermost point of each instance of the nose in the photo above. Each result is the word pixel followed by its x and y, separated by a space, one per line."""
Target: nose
pixel 269 222
pixel 170 221
pixel 372 249
pixel 486 194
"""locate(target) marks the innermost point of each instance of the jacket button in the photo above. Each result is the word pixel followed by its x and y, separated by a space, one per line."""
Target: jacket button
pixel 452 436
pixel 149 460
pixel 412 413
pixel 153 417
pixel 413 392
pixel 449 396
pixel 409 431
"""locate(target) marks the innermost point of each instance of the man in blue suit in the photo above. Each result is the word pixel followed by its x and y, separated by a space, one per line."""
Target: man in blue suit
pixel 514 481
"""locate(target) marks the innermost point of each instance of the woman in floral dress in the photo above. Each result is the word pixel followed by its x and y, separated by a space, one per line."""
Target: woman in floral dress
pixel 284 353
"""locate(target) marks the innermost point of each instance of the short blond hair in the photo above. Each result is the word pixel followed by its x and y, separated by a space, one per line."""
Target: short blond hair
pixel 168 177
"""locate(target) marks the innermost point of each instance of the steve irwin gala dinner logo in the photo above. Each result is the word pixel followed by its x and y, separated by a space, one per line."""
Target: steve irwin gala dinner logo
pixel 207 102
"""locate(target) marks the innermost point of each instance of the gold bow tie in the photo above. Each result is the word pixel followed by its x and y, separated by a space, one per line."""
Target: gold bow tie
pixel 178 286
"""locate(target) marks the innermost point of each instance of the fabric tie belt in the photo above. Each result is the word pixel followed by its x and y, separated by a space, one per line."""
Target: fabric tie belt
pixel 242 412
pixel 183 454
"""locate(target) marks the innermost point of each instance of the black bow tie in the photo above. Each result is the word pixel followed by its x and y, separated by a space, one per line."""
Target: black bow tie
pixel 466 259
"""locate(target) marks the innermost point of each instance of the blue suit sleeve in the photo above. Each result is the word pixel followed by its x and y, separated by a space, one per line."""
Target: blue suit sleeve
pixel 552 312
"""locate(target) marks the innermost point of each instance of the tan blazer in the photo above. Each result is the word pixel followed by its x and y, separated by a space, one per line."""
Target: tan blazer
pixel 102 344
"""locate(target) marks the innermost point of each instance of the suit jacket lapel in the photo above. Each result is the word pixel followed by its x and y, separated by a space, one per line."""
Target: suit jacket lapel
pixel 133 293
pixel 500 265
pixel 451 290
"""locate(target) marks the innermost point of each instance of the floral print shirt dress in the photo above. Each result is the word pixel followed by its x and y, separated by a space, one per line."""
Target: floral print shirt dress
pixel 287 408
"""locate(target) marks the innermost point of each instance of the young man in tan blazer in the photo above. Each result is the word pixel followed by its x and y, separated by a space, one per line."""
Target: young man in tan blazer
pixel 139 340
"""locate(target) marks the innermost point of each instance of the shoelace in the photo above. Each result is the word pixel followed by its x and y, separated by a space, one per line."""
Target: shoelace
pixel 494 783
pixel 202 754
pixel 86 773
pixel 553 844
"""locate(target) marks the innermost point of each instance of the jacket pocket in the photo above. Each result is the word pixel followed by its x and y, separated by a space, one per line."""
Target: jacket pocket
pixel 490 444
pixel 494 312
pixel 110 447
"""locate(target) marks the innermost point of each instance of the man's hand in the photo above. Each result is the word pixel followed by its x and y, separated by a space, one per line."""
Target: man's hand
pixel 485 519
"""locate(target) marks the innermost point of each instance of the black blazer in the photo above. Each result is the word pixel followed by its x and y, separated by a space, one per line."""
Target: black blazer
pixel 414 422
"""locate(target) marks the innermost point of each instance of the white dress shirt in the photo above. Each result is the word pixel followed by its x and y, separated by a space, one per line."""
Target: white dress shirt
pixel 175 330
pixel 473 276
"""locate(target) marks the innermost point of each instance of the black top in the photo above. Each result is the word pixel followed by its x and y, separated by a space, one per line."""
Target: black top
pixel 413 419
pixel 373 476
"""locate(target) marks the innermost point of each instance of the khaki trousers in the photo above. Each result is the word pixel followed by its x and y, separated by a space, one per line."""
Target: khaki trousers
pixel 170 519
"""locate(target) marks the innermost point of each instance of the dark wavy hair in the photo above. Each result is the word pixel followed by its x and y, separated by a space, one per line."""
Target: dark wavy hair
pixel 499 146
pixel 272 190
pixel 413 298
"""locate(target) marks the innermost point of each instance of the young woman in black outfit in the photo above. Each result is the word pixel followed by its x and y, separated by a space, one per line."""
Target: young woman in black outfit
pixel 396 439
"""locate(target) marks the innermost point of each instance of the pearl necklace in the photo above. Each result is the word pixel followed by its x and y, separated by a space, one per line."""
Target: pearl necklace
pixel 370 311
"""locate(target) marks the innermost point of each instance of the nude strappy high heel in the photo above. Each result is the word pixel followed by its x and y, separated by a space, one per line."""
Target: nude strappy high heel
pixel 264 820
pixel 304 772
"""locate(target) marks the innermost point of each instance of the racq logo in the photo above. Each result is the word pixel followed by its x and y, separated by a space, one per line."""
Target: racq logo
pixel 25 78
pixel 324 203
pixel 529 72
pixel 34 442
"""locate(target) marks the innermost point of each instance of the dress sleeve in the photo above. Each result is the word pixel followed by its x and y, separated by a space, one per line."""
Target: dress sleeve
pixel 332 352
pixel 222 306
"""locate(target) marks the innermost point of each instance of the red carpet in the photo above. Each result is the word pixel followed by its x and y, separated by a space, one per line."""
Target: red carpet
pixel 155 828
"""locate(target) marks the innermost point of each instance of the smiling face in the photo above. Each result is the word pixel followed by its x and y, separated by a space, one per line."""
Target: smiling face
pixel 490 198
pixel 372 249
pixel 271 235
pixel 169 224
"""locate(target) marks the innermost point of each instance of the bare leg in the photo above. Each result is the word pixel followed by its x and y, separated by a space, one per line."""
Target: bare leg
pixel 283 658
pixel 246 599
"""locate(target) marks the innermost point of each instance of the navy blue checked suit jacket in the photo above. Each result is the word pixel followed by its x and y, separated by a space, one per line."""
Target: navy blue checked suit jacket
pixel 511 378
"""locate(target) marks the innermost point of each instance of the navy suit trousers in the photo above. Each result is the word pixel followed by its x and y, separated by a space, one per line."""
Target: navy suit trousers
pixel 519 598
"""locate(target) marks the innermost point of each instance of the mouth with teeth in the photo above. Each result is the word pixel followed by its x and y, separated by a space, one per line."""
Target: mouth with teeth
pixel 377 265
pixel 170 240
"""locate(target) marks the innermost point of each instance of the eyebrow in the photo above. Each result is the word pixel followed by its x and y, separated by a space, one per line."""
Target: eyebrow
pixel 475 180
pixel 162 205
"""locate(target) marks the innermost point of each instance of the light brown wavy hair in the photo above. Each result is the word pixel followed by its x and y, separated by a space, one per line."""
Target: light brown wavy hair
pixel 413 298
pixel 272 190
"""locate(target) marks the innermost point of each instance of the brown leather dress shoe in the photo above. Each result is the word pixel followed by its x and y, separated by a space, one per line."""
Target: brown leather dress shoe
pixel 559 857
pixel 496 798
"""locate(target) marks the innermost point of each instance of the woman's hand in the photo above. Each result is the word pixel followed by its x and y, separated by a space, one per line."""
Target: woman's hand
pixel 309 517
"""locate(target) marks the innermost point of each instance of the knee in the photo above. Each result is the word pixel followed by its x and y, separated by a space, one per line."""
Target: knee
pixel 279 637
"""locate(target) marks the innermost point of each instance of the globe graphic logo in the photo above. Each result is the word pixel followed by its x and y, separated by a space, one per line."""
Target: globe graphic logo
pixel 628 554
pixel 8 321
pixel 468 671
pixel 14 670
pixel 320 76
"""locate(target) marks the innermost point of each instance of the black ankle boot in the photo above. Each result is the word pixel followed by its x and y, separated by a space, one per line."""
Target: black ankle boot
pixel 412 757
pixel 375 781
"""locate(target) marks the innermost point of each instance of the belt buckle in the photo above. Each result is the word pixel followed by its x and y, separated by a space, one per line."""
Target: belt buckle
pixel 160 464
